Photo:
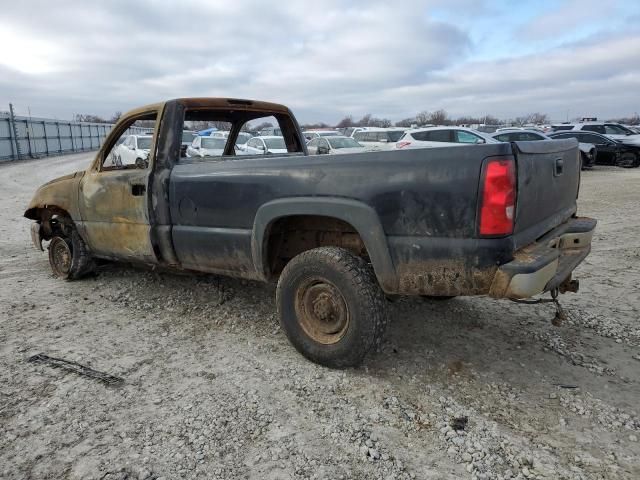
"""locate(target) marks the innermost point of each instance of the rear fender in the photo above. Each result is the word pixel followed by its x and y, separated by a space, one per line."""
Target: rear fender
pixel 359 215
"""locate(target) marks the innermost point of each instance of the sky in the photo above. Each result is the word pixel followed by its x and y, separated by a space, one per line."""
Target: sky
pixel 325 59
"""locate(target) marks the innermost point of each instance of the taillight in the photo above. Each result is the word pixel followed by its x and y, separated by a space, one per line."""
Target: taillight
pixel 497 210
pixel 402 144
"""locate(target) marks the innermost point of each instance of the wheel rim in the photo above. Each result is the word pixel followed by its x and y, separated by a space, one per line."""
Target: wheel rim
pixel 627 159
pixel 60 257
pixel 322 311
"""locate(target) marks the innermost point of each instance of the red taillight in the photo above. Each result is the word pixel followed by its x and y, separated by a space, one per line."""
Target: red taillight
pixel 498 207
pixel 402 144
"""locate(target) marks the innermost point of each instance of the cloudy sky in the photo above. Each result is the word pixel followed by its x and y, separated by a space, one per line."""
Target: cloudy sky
pixel 325 59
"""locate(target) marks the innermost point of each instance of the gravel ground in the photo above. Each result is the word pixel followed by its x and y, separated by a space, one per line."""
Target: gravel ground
pixel 470 388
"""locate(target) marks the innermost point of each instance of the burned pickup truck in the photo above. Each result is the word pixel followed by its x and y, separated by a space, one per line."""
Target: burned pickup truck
pixel 338 233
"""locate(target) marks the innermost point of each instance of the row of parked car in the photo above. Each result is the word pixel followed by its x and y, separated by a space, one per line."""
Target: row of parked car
pixel 599 142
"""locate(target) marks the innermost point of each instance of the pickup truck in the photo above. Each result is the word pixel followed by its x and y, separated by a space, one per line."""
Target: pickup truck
pixel 340 234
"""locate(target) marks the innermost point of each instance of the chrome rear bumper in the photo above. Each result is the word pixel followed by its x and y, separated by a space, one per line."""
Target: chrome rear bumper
pixel 547 263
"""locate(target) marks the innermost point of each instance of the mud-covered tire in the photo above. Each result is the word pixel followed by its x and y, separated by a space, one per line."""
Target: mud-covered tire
pixel 79 262
pixel 316 291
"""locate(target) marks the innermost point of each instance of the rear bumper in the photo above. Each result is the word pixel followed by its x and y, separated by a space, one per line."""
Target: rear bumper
pixel 546 263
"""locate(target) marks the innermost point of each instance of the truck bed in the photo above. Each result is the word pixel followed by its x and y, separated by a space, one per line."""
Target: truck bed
pixel 424 201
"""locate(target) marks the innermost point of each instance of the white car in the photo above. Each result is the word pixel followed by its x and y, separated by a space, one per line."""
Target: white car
pixel 134 150
pixel 351 131
pixel 442 136
pixel 311 134
pixel 265 145
pixel 270 132
pixel 241 140
pixel 206 147
pixel 614 131
pixel 332 145
pixel 528 129
pixel 379 138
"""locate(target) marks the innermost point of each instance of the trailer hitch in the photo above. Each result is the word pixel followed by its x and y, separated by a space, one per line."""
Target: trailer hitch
pixel 561 314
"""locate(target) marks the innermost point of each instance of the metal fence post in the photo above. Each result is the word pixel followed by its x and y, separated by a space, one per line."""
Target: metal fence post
pixel 13 133
pixel 59 139
pixel 73 147
pixel 27 126
pixel 46 138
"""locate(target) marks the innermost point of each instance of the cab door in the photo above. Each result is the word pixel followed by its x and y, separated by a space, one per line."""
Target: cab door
pixel 114 198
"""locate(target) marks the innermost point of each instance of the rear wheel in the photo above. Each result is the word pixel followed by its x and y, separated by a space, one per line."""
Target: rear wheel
pixel 331 306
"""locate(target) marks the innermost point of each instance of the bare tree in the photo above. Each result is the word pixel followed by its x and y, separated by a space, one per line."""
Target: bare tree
pixel 79 117
pixel 520 121
pixel 439 117
pixel 116 116
pixel 632 120
pixel 422 118
pixel 379 122
pixel 406 122
pixel 538 118
pixel 346 122
pixel 364 121
pixel 311 126
pixel 490 120
pixel 263 125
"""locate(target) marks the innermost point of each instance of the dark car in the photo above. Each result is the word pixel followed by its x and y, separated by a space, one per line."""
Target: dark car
pixel 587 150
pixel 609 152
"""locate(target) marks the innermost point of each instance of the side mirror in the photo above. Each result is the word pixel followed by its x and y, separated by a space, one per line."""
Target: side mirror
pixel 322 149
pixel 481 140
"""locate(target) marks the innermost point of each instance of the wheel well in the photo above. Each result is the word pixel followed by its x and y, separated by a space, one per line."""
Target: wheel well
pixel 292 235
pixel 52 220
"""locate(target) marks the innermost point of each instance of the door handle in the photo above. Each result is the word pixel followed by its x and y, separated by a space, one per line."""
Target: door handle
pixel 138 189
pixel 558 168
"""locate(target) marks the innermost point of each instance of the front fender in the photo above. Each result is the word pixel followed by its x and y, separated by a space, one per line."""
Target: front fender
pixel 59 195
pixel 359 215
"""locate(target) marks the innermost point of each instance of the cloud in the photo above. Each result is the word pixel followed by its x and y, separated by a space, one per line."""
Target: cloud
pixel 324 60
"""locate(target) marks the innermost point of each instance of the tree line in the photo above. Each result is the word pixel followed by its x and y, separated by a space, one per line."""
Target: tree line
pixel 437 117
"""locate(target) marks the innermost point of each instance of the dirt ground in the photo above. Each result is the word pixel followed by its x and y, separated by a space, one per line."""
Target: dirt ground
pixel 469 388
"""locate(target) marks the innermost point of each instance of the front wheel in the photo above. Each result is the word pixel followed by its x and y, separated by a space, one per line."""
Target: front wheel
pixel 69 256
pixel 331 306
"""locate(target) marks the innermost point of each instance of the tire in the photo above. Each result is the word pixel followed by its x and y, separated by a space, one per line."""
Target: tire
pixel 331 307
pixel 69 257
pixel 627 160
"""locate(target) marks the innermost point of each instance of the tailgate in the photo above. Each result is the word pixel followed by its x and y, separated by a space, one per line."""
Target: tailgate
pixel 548 182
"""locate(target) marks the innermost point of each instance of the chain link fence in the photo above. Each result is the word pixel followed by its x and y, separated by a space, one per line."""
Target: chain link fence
pixel 26 137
